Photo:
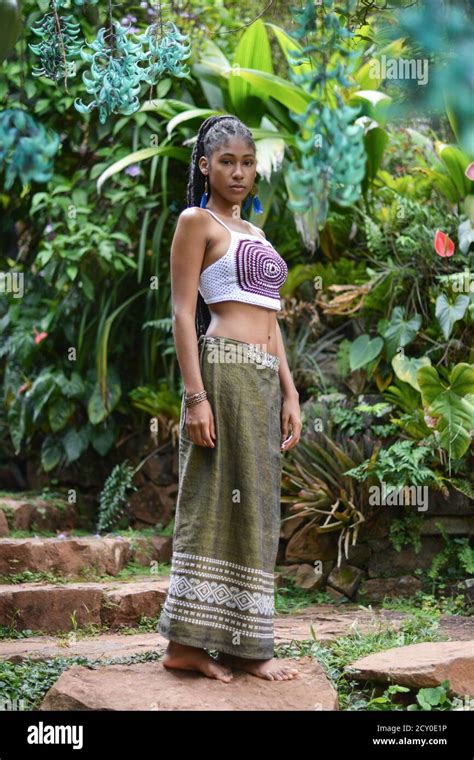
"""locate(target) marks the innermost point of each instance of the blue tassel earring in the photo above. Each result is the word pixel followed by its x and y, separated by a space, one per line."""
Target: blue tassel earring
pixel 204 196
pixel 257 206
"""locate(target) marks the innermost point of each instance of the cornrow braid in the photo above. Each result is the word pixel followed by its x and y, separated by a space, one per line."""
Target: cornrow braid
pixel 213 132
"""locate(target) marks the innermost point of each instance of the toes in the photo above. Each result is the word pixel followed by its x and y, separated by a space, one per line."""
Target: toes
pixel 224 676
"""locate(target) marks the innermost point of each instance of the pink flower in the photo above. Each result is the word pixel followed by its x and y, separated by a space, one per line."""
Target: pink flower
pixel 443 244
pixel 39 336
pixel 470 172
pixel 24 387
pixel 430 421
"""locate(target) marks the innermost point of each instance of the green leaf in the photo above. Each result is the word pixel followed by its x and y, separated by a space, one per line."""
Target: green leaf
pixel 406 368
pixel 59 412
pixel 451 405
pixel 74 386
pixel 181 154
pixel 51 452
pixel 456 163
pixel 75 443
pixel 98 408
pixel 252 52
pixel 103 439
pixel 40 391
pixel 400 331
pixel 16 417
pixel 290 45
pixel 447 313
pixel 363 350
pixel 270 85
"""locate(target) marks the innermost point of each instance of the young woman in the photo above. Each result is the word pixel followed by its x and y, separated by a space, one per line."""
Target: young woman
pixel 238 403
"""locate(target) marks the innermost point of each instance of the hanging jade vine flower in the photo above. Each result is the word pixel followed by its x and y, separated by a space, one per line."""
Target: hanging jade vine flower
pixel 332 159
pixel 26 149
pixel 115 74
pixel 332 164
pixel 59 44
pixel 165 54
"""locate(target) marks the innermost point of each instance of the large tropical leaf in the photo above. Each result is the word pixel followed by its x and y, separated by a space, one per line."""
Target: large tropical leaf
pixel 406 367
pixel 252 52
pixel 181 154
pixel 451 404
pixel 449 313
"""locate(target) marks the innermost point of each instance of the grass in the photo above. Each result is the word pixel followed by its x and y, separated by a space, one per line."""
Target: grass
pixel 128 533
pixel 131 571
pixel 90 630
pixel 334 656
pixel 27 682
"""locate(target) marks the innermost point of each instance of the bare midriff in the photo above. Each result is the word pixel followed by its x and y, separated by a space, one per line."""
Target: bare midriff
pixel 244 322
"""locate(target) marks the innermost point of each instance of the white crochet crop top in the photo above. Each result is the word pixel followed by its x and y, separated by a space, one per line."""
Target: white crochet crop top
pixel 250 271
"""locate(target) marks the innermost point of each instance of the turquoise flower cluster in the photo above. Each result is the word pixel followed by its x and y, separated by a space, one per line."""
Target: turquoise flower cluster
pixel 119 66
pixel 165 55
pixel 58 47
pixel 26 149
pixel 115 75
pixel 120 61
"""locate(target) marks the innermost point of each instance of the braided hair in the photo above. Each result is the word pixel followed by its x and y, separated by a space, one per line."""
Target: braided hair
pixel 213 132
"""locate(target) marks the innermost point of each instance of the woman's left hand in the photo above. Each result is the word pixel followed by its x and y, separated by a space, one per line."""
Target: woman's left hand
pixel 290 416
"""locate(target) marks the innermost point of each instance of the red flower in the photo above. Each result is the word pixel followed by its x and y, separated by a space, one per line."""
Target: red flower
pixel 24 387
pixel 470 172
pixel 39 336
pixel 443 244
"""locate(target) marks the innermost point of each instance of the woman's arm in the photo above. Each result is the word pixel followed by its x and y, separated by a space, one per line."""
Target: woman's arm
pixel 288 387
pixel 187 254
pixel 290 408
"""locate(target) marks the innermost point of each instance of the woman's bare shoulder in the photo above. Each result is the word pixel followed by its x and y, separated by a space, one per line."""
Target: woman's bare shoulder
pixel 194 220
pixel 193 214
pixel 260 231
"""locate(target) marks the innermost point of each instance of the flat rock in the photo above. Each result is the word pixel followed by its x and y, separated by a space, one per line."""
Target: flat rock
pixel 421 665
pixel 52 608
pixel 150 686
pixel 103 646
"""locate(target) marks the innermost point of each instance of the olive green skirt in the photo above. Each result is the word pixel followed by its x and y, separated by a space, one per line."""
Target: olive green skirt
pixel 227 520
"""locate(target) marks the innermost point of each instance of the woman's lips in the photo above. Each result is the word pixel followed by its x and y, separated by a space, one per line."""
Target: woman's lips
pixel 237 187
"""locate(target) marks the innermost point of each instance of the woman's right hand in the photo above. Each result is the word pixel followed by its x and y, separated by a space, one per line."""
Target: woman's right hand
pixel 200 427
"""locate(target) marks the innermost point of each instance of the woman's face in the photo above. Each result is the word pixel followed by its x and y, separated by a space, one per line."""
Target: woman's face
pixel 232 170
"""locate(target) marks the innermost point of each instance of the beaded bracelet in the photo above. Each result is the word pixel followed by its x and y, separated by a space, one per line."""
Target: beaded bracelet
pixel 195 398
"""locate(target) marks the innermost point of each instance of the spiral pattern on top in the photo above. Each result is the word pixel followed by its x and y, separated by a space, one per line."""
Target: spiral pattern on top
pixel 260 269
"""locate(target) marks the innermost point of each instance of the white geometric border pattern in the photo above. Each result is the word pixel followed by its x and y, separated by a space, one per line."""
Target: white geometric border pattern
pixel 221 594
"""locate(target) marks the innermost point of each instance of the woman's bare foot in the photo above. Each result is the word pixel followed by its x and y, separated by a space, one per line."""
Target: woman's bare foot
pixel 271 670
pixel 185 657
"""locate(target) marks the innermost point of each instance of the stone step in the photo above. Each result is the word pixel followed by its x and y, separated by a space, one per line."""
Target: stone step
pixel 53 608
pixel 422 665
pixel 150 686
pixel 72 555
pixel 123 603
pixel 32 512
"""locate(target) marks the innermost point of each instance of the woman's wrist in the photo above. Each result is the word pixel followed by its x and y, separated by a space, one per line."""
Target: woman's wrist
pixel 291 394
